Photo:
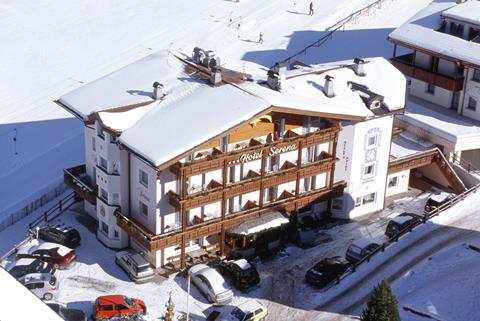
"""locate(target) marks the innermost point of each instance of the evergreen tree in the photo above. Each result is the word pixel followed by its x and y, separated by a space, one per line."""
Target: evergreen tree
pixel 382 305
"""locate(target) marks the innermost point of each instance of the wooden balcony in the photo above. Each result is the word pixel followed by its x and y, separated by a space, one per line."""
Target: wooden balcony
pixel 250 185
pixel 77 180
pixel 405 65
pixel 216 225
pixel 217 159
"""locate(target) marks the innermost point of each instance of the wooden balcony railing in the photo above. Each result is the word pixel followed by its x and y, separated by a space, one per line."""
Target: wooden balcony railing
pixel 251 185
pixel 76 179
pixel 405 65
pixel 217 159
pixel 156 242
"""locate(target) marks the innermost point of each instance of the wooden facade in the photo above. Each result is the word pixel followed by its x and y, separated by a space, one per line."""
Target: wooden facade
pixel 76 179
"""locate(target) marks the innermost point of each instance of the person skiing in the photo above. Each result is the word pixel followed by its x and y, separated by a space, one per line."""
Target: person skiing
pixel 260 38
pixel 311 9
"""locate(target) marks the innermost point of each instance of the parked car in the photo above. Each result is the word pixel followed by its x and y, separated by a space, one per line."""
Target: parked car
pixel 250 310
pixel 401 222
pixel 242 273
pixel 361 248
pixel 26 266
pixel 43 285
pixel 135 265
pixel 326 270
pixel 67 313
pixel 57 254
pixel 61 234
pixel 109 306
pixel 438 200
pixel 211 284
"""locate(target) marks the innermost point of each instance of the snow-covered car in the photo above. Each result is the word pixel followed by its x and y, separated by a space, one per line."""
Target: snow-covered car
pixel 361 248
pixel 212 285
pixel 400 222
pixel 61 234
pixel 242 273
pixel 57 254
pixel 43 285
pixel 438 200
pixel 249 310
pixel 135 265
pixel 326 270
pixel 26 266
pixel 67 314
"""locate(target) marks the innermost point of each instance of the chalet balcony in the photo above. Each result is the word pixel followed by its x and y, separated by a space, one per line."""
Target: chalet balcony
pixel 76 178
pixel 406 65
pixel 216 225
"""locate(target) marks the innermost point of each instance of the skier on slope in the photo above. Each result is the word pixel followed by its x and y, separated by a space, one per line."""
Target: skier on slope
pixel 311 9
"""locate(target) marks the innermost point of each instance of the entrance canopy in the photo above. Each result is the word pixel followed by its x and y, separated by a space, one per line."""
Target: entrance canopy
pixel 258 224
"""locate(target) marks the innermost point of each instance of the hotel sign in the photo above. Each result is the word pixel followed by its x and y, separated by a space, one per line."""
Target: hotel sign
pixel 256 155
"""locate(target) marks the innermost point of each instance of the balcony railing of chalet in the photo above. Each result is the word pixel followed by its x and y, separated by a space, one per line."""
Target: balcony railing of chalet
pixel 217 159
pixel 253 184
pixel 77 179
pixel 406 65
pixel 156 242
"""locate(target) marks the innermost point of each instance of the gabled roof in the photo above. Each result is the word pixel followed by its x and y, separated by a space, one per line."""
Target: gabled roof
pixel 421 33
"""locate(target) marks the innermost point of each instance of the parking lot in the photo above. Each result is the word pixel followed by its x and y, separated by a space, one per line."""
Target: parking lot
pixel 282 283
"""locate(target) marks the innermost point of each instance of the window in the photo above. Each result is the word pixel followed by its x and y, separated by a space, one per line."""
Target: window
pixel 143 208
pixel 476 75
pixel 431 89
pixel 115 199
pixel 372 138
pixel 369 170
pixel 93 143
pixel 337 204
pixel 358 201
pixel 472 104
pixel 103 163
pixel 143 177
pixel 103 194
pixel 393 181
pixel 369 198
pixel 104 228
pixel 115 234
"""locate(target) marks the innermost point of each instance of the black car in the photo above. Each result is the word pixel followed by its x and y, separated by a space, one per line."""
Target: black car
pixel 400 222
pixel 68 314
pixel 27 266
pixel 242 273
pixel 438 200
pixel 326 271
pixel 61 234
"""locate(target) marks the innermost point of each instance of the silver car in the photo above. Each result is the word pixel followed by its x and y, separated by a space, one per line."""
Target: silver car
pixel 211 284
pixel 135 265
pixel 43 285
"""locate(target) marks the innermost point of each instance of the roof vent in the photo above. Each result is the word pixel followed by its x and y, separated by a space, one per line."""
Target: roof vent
pixel 216 77
pixel 328 88
pixel 275 80
pixel 158 92
pixel 358 67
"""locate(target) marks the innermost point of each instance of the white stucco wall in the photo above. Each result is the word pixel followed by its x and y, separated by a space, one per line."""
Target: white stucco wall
pixel 402 183
pixel 472 89
pixel 441 97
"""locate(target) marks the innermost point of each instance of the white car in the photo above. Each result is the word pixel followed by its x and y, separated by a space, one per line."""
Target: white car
pixel 135 265
pixel 212 285
pixel 249 310
pixel 43 285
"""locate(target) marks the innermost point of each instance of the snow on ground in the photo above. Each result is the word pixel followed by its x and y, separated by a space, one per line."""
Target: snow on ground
pixel 80 41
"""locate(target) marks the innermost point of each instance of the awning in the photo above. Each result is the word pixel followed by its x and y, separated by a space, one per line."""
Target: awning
pixel 265 222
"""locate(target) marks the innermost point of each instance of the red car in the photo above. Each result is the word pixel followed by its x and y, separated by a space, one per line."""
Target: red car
pixel 109 306
pixel 54 253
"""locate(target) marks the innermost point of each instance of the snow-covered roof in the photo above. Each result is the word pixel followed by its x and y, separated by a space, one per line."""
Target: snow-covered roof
pixel 14 294
pixel 255 225
pixel 408 144
pixel 444 123
pixel 422 33
pixel 468 12
pixel 303 89
pixel 130 85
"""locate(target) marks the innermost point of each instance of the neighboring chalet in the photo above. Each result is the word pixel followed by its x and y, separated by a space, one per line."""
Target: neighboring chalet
pixel 211 158
pixel 439 52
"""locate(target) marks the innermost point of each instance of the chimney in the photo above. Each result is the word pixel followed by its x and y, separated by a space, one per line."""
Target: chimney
pixel 197 54
pixel 328 88
pixel 216 77
pixel 158 91
pixel 358 67
pixel 275 80
pixel 280 67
